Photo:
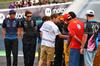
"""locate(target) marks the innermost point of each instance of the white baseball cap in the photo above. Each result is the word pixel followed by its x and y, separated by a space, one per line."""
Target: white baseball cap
pixel 90 12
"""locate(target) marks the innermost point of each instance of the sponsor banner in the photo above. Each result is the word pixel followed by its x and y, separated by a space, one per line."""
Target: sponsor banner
pixel 37 11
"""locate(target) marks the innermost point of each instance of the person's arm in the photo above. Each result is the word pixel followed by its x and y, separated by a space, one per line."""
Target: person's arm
pixel 18 31
pixel 77 39
pixel 34 25
pixel 73 34
pixel 41 35
pixel 69 40
pixel 83 43
pixel 3 33
pixel 68 43
pixel 21 32
pixel 35 28
pixel 62 36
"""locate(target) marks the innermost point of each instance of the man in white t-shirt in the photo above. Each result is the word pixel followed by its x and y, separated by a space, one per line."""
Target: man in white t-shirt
pixel 49 31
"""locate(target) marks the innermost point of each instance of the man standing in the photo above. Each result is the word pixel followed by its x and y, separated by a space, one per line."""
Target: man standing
pixel 49 31
pixel 60 42
pixel 90 40
pixel 44 19
pixel 29 39
pixel 76 29
pixel 10 31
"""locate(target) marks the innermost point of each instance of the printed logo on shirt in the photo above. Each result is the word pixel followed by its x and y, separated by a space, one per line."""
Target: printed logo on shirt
pixel 78 26
pixel 14 23
pixel 8 23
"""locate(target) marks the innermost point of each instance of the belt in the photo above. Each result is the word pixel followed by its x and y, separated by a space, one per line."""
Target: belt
pixel 48 40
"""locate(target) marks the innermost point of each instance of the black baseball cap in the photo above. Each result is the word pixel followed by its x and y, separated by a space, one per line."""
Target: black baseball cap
pixel 12 12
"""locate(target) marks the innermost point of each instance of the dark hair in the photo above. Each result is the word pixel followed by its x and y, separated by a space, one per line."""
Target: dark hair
pixel 45 18
pixel 54 16
pixel 90 15
pixel 73 15
pixel 69 19
pixel 28 12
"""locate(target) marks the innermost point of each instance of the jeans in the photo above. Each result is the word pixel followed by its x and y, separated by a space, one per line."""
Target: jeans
pixel 89 57
pixel 75 58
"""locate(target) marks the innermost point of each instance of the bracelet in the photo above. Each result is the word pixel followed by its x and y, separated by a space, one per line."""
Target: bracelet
pixel 81 47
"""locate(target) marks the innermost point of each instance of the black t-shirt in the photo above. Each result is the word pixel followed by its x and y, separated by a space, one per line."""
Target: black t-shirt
pixel 20 6
pixel 63 29
pixel 90 28
pixel 28 27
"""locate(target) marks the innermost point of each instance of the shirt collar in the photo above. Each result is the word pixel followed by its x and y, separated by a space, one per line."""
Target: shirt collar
pixel 91 21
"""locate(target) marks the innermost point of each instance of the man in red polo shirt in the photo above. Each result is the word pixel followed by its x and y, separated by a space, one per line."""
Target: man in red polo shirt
pixel 76 30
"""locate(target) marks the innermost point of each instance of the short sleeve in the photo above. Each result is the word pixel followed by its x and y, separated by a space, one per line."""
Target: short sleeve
pixel 85 28
pixel 4 24
pixel 42 27
pixel 56 30
pixel 71 31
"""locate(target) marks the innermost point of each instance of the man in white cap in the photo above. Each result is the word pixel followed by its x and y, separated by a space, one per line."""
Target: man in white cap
pixel 90 41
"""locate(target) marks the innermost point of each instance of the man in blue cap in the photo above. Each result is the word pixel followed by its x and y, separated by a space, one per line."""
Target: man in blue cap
pixel 10 31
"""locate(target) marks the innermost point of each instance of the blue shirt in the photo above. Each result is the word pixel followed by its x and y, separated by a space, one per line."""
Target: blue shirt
pixel 10 28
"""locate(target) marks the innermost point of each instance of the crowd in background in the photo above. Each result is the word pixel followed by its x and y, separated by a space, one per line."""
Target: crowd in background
pixel 29 3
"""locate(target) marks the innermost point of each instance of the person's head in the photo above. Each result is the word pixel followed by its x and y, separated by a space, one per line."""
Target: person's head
pixel 54 18
pixel 43 0
pixel 26 2
pixel 45 18
pixel 61 19
pixel 90 14
pixel 58 1
pixel 72 14
pixel 64 0
pixel 67 17
pixel 11 4
pixel 54 0
pixel 28 15
pixel 16 3
pixel 39 0
pixel 12 14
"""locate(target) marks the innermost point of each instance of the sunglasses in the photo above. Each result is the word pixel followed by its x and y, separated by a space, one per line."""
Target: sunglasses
pixel 28 16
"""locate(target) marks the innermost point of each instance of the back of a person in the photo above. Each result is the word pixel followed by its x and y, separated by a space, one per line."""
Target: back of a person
pixel 49 34
pixel 78 28
pixel 92 24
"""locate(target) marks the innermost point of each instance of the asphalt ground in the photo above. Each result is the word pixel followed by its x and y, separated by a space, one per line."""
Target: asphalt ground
pixel 20 61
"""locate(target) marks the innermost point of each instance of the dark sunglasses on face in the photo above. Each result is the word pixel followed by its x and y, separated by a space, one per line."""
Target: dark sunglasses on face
pixel 28 16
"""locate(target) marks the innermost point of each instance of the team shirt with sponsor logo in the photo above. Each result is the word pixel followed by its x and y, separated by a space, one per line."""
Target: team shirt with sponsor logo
pixel 92 27
pixel 76 27
pixel 49 33
pixel 10 28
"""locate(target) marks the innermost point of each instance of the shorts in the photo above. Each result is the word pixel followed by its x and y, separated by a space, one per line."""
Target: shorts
pixel 47 52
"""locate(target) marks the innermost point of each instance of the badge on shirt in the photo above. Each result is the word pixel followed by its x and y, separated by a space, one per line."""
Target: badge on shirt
pixel 25 24
pixel 8 23
pixel 32 23
pixel 14 23
pixel 79 27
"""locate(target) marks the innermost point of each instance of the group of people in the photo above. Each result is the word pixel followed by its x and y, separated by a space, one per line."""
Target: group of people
pixel 29 3
pixel 51 34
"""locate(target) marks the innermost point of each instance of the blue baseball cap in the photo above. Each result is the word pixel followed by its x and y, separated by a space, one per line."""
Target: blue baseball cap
pixel 12 12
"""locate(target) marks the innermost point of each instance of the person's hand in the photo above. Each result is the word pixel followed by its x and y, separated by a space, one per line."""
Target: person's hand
pixel 81 51
pixel 66 50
